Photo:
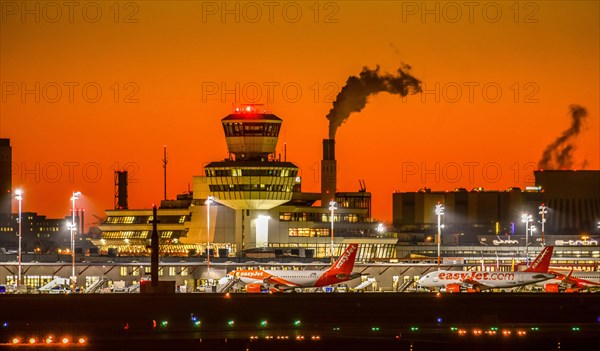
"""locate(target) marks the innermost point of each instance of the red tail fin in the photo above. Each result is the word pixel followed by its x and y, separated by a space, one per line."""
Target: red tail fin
pixel 542 261
pixel 345 263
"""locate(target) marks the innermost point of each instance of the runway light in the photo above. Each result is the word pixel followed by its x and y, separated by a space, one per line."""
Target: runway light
pixel 494 328
pixel 453 328
pixel 297 323
pixel 82 340
pixel 414 329
pixel 5 324
pixel 506 332
pixel 336 328
pixel 65 340
pixel 521 332
pixel 375 329
pixel 263 323
pixel 164 323
pixel 535 328
pixel 477 331
pixel 197 323
pixel 439 319
pixel 230 323
pixel 462 332
pixel 575 329
pixel 15 340
pixel 32 340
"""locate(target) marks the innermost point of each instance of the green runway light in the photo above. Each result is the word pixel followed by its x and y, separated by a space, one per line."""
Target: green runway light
pixel 414 329
pixel 197 323
pixel 164 323
pixel 230 323
pixel 575 329
pixel 263 323
pixel 375 329
pixel 496 328
pixel 453 328
pixel 535 328
pixel 297 323
pixel 336 328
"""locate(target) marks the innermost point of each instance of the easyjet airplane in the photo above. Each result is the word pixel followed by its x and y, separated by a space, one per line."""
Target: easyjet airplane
pixel 572 282
pixel 454 281
pixel 257 280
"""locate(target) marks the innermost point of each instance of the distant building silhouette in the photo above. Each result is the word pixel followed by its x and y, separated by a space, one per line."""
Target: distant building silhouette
pixel 5 181
pixel 573 200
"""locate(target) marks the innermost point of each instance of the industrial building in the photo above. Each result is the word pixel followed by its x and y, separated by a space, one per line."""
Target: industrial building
pixel 571 201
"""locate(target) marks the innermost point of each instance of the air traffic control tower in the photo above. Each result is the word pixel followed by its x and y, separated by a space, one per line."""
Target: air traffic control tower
pixel 250 181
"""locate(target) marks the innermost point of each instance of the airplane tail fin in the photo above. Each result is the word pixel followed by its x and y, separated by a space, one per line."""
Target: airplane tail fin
pixel 542 261
pixel 345 263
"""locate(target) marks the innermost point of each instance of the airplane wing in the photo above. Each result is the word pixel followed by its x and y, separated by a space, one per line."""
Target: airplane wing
pixel 277 281
pixel 472 283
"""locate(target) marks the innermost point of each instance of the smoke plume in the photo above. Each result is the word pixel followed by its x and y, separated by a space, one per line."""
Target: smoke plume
pixel 353 96
pixel 559 153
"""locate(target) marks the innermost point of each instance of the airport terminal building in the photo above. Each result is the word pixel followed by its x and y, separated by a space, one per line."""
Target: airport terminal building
pixel 257 206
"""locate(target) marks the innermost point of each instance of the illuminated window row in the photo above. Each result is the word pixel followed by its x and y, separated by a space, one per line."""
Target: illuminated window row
pixel 130 234
pixel 251 129
pixel 317 217
pixel 251 187
pixel 252 172
pixel 308 232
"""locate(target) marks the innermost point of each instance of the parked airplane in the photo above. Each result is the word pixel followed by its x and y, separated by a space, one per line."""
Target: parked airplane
pixel 258 280
pixel 572 282
pixel 453 281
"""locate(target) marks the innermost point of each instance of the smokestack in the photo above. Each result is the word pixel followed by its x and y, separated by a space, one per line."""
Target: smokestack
pixel 328 172
pixel 121 190
pixel 559 154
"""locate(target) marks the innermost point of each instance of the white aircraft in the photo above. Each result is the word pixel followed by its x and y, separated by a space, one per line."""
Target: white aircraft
pixel 455 281
pixel 572 282
pixel 261 280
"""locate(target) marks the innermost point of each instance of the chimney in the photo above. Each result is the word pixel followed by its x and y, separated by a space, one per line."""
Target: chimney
pixel 328 172
pixel 121 190
pixel 82 226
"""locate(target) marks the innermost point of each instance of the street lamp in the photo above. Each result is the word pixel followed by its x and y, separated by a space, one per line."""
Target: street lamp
pixel 208 201
pixel 526 218
pixel 543 212
pixel 19 197
pixel 332 208
pixel 439 212
pixel 73 226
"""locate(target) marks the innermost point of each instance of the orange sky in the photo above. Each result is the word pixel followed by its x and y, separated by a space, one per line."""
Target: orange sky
pixel 164 57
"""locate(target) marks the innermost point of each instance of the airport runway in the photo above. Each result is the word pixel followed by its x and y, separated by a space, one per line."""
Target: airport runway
pixel 420 321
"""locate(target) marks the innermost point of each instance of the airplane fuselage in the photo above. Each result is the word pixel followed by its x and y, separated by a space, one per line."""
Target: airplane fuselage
pixel 488 280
